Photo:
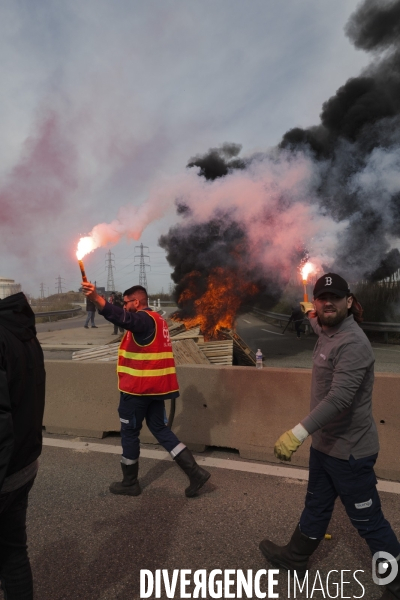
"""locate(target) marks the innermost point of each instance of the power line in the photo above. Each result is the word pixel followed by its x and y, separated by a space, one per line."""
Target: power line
pixel 42 291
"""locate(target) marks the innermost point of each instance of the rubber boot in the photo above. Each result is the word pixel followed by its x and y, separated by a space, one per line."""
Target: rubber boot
pixel 392 591
pixel 197 475
pixel 129 486
pixel 294 556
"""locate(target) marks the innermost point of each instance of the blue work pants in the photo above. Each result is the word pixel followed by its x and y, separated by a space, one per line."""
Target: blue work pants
pixel 132 410
pixel 354 481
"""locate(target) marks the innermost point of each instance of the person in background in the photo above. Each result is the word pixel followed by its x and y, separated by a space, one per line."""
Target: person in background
pixel 146 377
pixel 22 392
pixel 91 311
pixel 345 441
pixel 298 317
pixel 117 300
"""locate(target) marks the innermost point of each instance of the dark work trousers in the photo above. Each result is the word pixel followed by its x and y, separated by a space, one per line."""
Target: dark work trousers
pixel 15 569
pixel 132 410
pixel 354 481
pixel 297 326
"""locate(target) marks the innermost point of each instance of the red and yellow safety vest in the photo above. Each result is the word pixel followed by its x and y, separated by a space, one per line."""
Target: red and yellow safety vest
pixel 149 369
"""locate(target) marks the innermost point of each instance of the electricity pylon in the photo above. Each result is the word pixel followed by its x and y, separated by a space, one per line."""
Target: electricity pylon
pixel 142 265
pixel 59 284
pixel 110 274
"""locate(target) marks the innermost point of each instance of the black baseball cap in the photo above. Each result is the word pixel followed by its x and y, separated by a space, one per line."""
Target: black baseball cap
pixel 331 283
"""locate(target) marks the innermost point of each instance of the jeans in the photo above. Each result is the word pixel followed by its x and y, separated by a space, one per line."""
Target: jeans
pixel 90 317
pixel 15 569
pixel 354 481
pixel 132 410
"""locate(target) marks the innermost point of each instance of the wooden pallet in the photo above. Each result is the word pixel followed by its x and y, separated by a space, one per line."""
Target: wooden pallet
pixel 187 352
pixel 189 347
pixel 219 352
pixel 105 353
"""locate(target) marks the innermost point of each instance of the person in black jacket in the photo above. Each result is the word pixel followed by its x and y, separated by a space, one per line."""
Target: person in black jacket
pixel 298 317
pixel 91 311
pixel 22 391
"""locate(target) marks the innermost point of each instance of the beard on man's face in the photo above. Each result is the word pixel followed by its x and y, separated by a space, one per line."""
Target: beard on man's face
pixel 331 314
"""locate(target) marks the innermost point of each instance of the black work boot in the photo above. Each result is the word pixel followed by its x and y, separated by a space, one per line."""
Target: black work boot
pixel 392 591
pixel 129 486
pixel 294 556
pixel 197 475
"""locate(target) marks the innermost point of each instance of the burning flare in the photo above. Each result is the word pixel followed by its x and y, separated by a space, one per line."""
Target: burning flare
pixel 306 270
pixel 85 245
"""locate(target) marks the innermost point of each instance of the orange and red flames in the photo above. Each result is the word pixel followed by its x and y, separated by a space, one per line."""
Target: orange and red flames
pixel 216 306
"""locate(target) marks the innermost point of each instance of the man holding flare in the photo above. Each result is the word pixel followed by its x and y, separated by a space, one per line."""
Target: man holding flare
pixel 146 377
pixel 344 435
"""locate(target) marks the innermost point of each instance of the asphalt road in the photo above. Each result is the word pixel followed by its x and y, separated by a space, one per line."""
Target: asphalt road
pixel 279 350
pixel 69 323
pixel 87 544
pixel 287 351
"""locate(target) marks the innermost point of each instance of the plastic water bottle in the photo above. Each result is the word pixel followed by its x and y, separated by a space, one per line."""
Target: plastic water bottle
pixel 259 359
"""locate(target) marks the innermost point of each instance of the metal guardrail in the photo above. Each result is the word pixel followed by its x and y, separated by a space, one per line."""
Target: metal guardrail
pixel 385 328
pixel 51 313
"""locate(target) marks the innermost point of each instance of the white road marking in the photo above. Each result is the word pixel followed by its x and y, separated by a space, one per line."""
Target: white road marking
pixel 274 332
pixel 249 322
pixel 221 463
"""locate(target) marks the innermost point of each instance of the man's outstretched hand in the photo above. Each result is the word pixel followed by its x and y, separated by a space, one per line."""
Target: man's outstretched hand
pixel 307 307
pixel 90 292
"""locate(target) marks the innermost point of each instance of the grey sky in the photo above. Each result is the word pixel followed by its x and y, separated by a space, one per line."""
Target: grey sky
pixel 99 99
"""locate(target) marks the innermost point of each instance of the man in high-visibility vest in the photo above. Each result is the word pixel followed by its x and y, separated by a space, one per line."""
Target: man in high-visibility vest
pixel 146 377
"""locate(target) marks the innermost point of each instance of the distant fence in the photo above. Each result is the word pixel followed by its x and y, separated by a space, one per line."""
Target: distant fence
pixel 385 328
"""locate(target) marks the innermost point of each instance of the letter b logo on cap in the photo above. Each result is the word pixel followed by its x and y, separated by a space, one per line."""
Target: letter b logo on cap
pixel 328 280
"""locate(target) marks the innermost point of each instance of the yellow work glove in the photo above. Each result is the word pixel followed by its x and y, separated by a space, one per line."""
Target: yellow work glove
pixel 286 445
pixel 306 307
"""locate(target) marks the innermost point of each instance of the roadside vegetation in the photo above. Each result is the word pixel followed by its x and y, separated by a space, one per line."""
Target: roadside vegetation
pixel 65 301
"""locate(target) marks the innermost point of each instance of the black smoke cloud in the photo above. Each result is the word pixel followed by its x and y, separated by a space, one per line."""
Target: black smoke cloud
pixel 358 137
pixel 355 156
pixel 201 249
pixel 218 162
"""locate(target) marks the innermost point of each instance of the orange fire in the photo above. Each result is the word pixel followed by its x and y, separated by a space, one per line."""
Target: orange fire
pixel 217 306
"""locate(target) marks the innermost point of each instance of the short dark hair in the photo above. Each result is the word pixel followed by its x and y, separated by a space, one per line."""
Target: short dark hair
pixel 134 289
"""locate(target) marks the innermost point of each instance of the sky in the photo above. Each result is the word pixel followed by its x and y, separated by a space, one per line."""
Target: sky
pixel 102 103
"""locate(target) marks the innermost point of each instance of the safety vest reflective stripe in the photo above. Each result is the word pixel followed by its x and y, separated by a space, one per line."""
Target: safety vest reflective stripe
pixel 146 372
pixel 145 355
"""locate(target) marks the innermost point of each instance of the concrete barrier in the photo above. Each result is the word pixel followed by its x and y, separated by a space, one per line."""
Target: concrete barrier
pixel 233 407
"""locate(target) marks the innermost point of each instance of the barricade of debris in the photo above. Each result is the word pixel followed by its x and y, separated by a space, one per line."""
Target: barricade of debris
pixel 188 346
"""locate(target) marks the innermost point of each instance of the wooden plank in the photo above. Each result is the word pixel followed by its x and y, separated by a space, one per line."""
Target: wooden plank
pixel 186 352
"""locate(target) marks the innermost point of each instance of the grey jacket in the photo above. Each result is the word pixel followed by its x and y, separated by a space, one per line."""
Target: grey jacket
pixel 341 421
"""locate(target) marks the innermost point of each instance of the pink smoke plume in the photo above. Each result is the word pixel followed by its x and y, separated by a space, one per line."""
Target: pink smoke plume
pixel 253 198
